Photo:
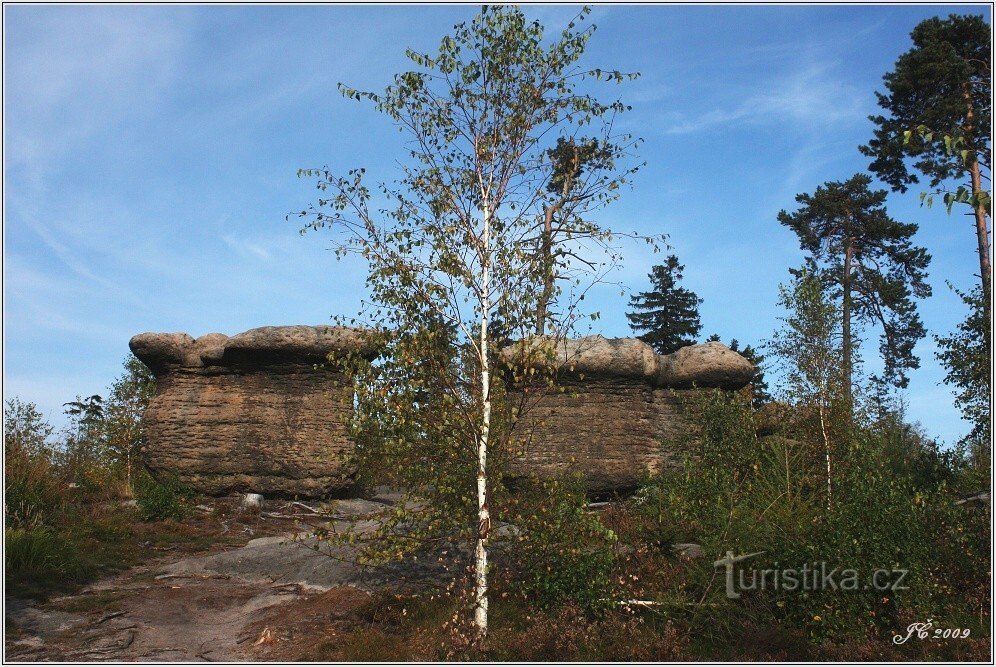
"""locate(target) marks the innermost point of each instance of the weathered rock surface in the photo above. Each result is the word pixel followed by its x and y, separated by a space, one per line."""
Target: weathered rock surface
pixel 260 412
pixel 708 365
pixel 614 402
pixel 256 412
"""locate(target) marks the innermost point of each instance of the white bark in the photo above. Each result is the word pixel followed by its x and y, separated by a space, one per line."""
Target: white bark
pixel 483 516
pixel 826 446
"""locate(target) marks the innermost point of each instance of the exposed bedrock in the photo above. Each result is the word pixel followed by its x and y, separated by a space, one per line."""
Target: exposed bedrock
pixel 612 405
pixel 252 412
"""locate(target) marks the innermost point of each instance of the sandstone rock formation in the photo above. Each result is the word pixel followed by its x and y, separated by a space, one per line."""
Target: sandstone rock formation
pixel 255 412
pixel 261 412
pixel 613 403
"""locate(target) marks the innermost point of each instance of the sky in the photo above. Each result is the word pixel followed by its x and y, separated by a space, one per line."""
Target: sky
pixel 151 157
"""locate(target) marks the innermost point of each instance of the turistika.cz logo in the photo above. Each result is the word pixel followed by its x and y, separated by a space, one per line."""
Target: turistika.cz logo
pixel 818 576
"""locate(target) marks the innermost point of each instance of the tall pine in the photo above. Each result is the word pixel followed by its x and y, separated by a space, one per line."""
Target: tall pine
pixel 871 266
pixel 668 315
pixel 938 123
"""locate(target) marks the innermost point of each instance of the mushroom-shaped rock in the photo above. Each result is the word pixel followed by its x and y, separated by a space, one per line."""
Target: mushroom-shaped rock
pixel 618 409
pixel 298 343
pixel 710 365
pixel 256 412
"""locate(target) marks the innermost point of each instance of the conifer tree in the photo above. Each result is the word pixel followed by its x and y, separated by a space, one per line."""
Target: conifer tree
pixel 938 119
pixel 870 265
pixel 668 314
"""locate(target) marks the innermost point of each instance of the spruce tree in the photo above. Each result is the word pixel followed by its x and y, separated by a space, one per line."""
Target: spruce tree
pixel 668 314
pixel 868 262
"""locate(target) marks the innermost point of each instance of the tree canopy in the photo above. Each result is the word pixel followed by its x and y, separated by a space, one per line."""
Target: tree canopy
pixel 500 135
pixel 938 122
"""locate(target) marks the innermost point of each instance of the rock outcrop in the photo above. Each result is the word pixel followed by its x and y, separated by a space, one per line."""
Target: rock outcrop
pixel 604 406
pixel 256 412
pixel 262 412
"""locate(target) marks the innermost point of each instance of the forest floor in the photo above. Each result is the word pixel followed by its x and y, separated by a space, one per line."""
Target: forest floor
pixel 245 589
pixel 227 585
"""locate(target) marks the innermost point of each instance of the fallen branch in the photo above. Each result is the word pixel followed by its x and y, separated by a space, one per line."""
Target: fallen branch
pixel 162 577
pixel 274 515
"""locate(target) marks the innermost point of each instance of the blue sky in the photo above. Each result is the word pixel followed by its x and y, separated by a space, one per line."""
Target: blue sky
pixel 150 157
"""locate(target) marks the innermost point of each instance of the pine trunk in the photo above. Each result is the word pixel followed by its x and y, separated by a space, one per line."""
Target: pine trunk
pixel 985 265
pixel 981 226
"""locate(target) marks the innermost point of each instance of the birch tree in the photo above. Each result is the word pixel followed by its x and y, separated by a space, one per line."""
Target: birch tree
pixel 451 247
pixel 809 347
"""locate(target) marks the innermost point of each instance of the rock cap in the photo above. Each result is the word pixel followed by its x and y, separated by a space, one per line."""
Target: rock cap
pixel 162 352
pixel 710 365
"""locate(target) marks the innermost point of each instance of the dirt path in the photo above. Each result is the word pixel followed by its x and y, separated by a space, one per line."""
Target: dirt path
pixel 228 605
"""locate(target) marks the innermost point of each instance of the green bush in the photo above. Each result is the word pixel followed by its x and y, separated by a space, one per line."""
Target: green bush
pixel 564 553
pixel 159 499
pixel 33 493
pixel 891 509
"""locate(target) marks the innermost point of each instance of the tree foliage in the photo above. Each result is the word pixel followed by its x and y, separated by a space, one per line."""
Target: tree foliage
pixel 668 315
pixel 105 434
pixel 809 347
pixel 964 354
pixel 938 121
pixel 500 133
pixel 943 83
pixel 871 263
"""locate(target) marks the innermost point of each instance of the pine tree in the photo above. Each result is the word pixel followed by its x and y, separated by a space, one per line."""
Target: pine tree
pixel 938 116
pixel 870 265
pixel 668 314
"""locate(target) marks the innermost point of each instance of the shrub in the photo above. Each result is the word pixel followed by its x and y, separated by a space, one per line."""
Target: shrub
pixel 159 499
pixel 40 557
pixel 34 494
pixel 564 553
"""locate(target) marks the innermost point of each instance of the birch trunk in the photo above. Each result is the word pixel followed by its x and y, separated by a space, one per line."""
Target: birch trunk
pixel 483 515
pixel 826 449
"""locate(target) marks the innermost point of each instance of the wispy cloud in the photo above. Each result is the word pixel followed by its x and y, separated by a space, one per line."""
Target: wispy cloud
pixel 247 249
pixel 811 95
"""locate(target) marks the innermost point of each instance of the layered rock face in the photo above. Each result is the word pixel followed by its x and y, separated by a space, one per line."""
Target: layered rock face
pixel 613 403
pixel 252 412
pixel 262 412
